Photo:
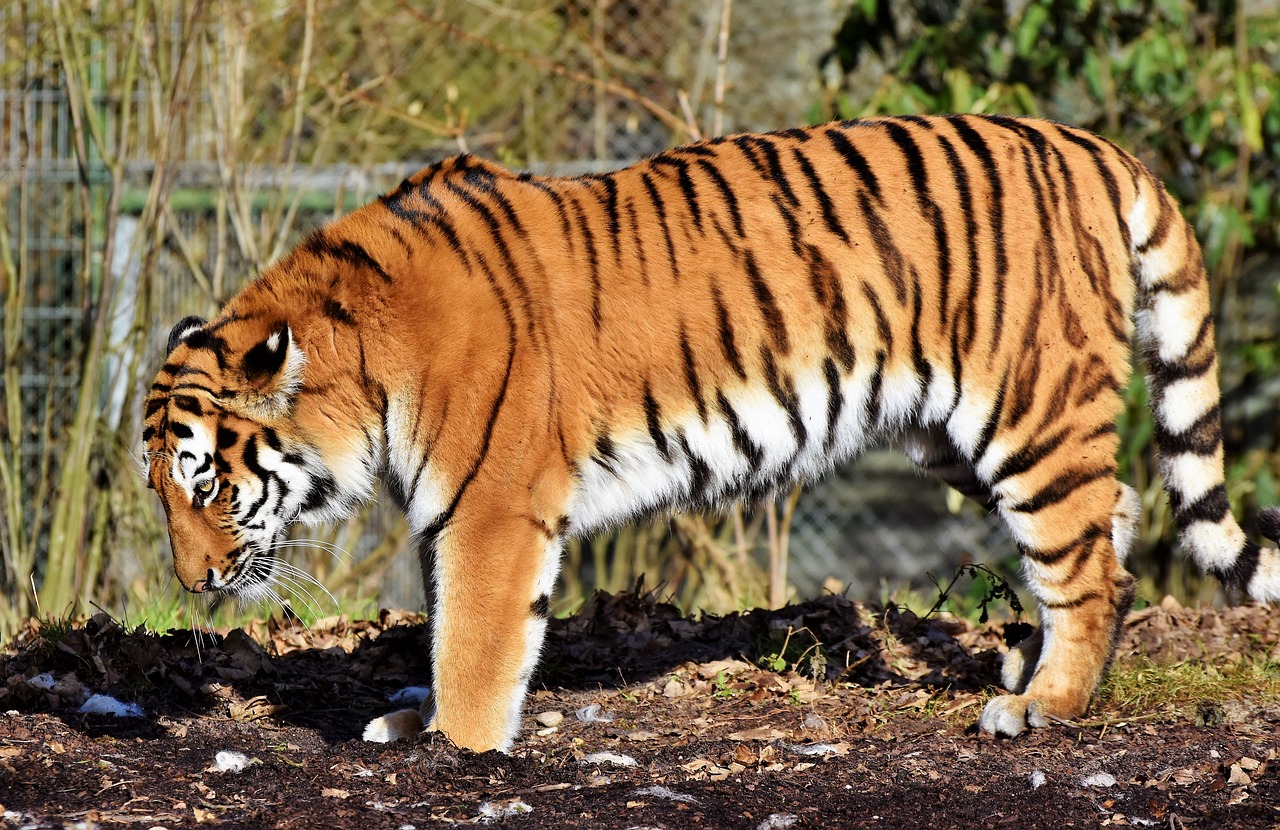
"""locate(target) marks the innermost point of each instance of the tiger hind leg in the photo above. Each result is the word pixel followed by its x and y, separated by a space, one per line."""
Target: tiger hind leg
pixel 1070 516
pixel 1022 659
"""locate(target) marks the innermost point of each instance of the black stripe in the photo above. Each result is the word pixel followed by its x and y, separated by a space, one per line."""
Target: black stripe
pixel 593 261
pixel 835 401
pixel 611 216
pixel 1095 152
pixel 639 248
pixel 768 306
pixel 1243 568
pixel 727 341
pixel 1211 507
pixel 726 192
pixel 1089 536
pixel 661 209
pixel 180 429
pixel 960 178
pixel 541 607
pixel 820 193
pixel 995 214
pixel 993 421
pixel 691 375
pixel 829 292
pixel 855 160
pixel 322 489
pixel 776 174
pixel 873 396
pixel 1060 489
pixel 741 438
pixel 335 311
pixel 1204 437
pixel 1027 457
pixel 346 250
pixel 783 389
pixel 653 420
pixel 686 185
pixel 606 454
pixel 700 480
pixel 1083 599
pixel 922 366
pixel 890 257
pixel 186 403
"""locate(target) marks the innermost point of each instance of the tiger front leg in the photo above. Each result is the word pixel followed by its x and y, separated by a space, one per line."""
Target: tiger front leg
pixel 492 577
pixel 488 584
pixel 1084 594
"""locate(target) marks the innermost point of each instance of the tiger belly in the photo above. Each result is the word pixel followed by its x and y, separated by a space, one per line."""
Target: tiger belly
pixel 755 440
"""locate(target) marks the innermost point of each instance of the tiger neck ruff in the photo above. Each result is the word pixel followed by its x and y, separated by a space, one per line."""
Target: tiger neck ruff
pixel 521 359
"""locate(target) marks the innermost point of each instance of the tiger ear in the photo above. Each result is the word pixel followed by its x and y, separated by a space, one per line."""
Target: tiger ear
pixel 185 328
pixel 272 373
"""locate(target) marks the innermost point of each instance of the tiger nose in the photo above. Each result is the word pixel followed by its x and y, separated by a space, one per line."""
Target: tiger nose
pixel 200 586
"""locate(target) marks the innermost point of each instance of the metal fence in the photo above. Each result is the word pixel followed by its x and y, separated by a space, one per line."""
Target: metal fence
pixel 588 84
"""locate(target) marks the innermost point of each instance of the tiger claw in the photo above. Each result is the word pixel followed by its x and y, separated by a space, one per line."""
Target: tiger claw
pixel 1011 715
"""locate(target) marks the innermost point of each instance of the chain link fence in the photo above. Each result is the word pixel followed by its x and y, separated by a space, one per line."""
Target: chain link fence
pixel 559 88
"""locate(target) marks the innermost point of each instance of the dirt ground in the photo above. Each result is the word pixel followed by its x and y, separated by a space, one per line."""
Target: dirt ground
pixel 641 718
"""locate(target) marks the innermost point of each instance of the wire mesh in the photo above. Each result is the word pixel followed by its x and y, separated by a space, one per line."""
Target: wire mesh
pixel 583 85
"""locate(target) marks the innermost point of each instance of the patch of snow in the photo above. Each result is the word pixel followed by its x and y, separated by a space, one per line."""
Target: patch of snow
pixel 817 749
pixel 1037 779
pixel 1098 779
pixel 658 791
pixel 594 714
pixel 228 761
pixel 44 680
pixel 490 812
pixel 108 705
pixel 777 821
pixel 410 695
pixel 610 758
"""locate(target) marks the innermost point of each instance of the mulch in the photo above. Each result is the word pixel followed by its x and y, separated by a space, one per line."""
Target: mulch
pixel 824 714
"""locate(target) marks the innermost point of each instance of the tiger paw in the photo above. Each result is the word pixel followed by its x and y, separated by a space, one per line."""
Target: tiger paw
pixel 1010 715
pixel 394 727
pixel 1020 662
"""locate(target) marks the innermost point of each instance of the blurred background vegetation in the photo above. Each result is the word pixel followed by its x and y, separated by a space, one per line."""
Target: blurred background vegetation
pixel 158 153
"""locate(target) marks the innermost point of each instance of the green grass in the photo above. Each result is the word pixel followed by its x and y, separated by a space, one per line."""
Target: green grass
pixel 1141 686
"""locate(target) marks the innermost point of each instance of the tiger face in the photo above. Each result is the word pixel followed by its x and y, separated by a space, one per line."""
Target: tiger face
pixel 225 456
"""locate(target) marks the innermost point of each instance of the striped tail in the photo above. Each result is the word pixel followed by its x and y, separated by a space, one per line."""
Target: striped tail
pixel 1175 331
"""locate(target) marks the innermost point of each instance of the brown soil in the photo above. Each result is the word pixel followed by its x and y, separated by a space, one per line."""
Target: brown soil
pixel 704 731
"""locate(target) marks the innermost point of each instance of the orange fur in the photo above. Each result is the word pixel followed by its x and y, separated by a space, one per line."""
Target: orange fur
pixel 524 358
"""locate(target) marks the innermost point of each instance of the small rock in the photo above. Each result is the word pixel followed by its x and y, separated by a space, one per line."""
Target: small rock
pixel 1098 779
pixel 549 718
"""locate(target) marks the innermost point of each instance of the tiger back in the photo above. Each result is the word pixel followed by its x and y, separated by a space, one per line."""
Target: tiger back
pixel 523 359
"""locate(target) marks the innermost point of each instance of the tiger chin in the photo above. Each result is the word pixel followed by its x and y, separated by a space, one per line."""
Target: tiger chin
pixel 521 359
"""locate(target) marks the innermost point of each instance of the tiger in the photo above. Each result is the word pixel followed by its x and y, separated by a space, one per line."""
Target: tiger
pixel 519 360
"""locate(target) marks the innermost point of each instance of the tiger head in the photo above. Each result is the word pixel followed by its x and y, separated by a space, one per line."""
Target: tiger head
pixel 225 453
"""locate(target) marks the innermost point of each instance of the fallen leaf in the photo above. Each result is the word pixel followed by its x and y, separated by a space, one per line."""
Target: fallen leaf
pixel 333 792
pixel 760 733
